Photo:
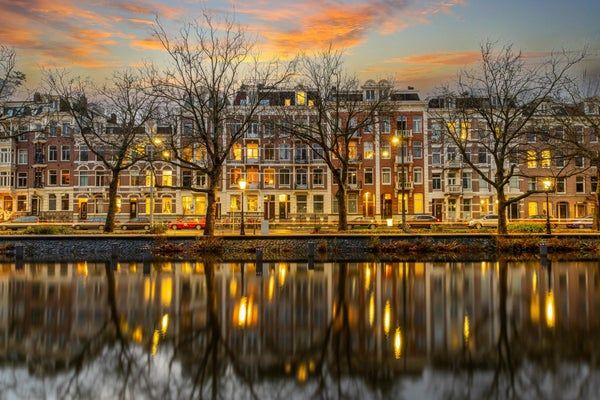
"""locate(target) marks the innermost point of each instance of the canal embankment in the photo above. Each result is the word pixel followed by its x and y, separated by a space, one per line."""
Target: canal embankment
pixel 318 247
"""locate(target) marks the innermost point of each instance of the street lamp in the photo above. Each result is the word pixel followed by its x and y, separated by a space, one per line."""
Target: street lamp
pixel 399 140
pixel 547 182
pixel 242 185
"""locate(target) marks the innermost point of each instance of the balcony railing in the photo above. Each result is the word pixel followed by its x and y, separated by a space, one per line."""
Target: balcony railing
pixel 408 185
pixel 454 188
pixel 405 133
pixel 407 159
pixel 453 163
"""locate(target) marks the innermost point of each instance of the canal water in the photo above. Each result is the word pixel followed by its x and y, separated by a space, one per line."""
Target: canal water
pixel 292 331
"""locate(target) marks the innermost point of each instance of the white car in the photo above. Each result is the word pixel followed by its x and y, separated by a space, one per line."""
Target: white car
pixel 490 220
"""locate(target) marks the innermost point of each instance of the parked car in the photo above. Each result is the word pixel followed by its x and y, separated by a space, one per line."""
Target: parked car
pixel 95 222
pixel 582 223
pixel 421 221
pixel 362 222
pixel 198 223
pixel 137 223
pixel 20 222
pixel 490 220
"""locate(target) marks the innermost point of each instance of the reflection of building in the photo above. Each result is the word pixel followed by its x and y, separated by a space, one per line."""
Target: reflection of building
pixel 391 317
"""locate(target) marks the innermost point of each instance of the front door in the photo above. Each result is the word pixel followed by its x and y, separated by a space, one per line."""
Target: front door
pixel 514 211
pixel 83 210
pixel 284 207
pixel 451 209
pixel 438 210
pixel 133 209
pixel 387 207
pixel 562 210
pixel 269 206
pixel 35 206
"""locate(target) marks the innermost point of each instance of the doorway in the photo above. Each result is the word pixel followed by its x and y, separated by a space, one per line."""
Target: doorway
pixel 284 206
pixel 133 208
pixel 513 211
pixel 83 209
pixel 562 210
pixel 438 210
pixel 269 206
pixel 35 205
pixel 387 205
pixel 451 209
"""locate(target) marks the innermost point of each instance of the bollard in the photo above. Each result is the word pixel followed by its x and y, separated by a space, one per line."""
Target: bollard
pixel 19 254
pixel 259 261
pixel 311 255
pixel 114 251
pixel 146 268
pixel 19 251
pixel 311 249
pixel 543 249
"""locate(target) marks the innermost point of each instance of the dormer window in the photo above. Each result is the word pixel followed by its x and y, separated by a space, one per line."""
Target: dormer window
pixel 370 94
pixel 300 98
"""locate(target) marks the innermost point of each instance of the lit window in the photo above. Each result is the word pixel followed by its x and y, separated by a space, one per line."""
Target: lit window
pixel 167 178
pixel 300 98
pixel 252 152
pixel 546 156
pixel 237 152
pixel 368 150
pixel 531 159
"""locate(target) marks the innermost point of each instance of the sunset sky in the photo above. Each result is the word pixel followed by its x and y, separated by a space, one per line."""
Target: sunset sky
pixel 420 43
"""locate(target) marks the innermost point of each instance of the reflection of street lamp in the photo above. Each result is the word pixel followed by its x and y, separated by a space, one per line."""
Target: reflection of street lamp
pixel 242 184
pixel 399 140
pixel 547 182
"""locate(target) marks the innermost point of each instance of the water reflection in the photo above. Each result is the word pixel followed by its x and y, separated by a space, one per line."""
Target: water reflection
pixel 349 330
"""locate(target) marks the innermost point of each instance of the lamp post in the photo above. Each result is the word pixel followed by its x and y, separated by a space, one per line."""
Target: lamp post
pixel 155 142
pixel 399 140
pixel 242 185
pixel 547 182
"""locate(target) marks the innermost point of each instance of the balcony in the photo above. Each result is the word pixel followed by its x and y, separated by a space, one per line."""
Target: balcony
pixel 407 159
pixel 453 163
pixel 301 160
pixel 406 186
pixel 405 133
pixel 454 189
pixel 301 186
pixel 40 137
pixel 39 160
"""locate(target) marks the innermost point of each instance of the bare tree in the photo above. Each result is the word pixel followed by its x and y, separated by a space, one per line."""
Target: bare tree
pixel 338 116
pixel 206 63
pixel 578 114
pixel 10 80
pixel 112 120
pixel 501 99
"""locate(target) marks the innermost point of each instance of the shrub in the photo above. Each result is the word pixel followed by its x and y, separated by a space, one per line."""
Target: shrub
pixel 158 229
pixel 374 244
pixel 164 248
pixel 527 227
pixel 46 230
pixel 322 246
pixel 207 246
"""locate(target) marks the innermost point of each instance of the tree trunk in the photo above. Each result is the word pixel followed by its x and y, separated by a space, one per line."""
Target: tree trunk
pixel 211 207
pixel 342 211
pixel 502 223
pixel 109 226
pixel 596 224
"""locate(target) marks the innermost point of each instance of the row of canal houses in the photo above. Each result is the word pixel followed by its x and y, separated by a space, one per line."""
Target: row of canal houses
pixel 47 170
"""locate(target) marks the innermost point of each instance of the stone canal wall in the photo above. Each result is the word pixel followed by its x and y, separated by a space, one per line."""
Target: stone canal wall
pixel 57 248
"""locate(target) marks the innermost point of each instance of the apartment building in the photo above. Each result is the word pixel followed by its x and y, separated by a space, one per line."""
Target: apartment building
pixel 46 168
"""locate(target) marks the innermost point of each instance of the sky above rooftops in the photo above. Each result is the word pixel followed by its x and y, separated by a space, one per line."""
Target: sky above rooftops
pixel 418 43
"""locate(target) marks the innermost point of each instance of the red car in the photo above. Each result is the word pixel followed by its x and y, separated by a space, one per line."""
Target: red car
pixel 198 223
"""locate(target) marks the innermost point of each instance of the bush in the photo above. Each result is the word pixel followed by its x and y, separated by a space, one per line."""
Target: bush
pixel 374 244
pixel 208 246
pixel 46 230
pixel 527 227
pixel 158 229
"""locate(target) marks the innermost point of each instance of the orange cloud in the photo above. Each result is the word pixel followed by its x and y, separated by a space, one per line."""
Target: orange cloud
pixel 449 58
pixel 345 24
pixel 147 44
